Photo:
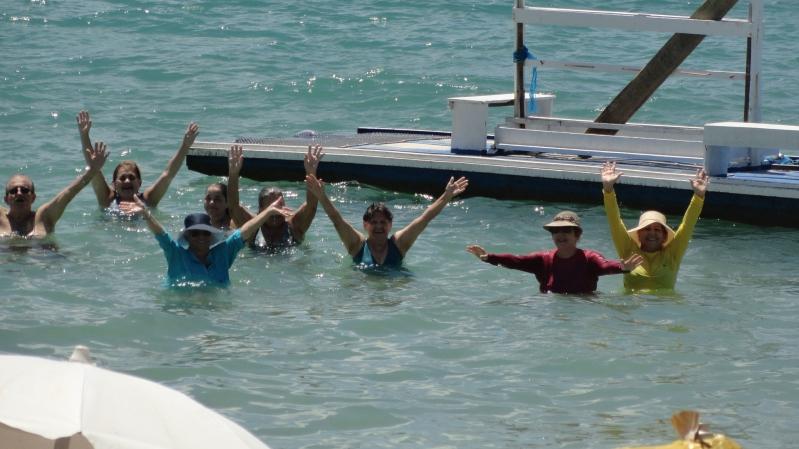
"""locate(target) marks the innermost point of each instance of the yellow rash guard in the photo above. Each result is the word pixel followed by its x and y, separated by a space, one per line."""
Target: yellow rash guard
pixel 717 442
pixel 659 269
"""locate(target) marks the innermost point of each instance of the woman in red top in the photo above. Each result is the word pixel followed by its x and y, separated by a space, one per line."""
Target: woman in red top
pixel 565 269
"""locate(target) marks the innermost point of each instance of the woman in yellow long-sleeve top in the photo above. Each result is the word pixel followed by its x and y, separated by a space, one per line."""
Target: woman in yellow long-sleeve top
pixel 661 246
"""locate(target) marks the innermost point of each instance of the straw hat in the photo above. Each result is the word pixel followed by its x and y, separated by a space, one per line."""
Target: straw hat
pixel 565 219
pixel 647 218
pixel 200 222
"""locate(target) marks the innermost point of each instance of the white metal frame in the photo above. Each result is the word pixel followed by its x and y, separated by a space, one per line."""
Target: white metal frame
pixel 750 29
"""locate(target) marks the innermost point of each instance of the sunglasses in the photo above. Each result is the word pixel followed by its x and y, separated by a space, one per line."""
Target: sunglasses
pixel 24 190
pixel 197 233
pixel 564 230
pixel 127 178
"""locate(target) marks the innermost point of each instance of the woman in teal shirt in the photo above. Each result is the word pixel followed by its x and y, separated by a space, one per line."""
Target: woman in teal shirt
pixel 202 255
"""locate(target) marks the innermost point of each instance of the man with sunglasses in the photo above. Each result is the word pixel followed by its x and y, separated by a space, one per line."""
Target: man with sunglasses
pixel 20 219
pixel 565 269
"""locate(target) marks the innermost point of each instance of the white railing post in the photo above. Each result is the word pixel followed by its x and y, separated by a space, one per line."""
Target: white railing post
pixel 518 81
pixel 755 65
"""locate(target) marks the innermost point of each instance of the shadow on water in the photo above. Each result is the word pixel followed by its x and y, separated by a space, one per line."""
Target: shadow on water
pixel 620 302
pixel 20 251
pixel 186 300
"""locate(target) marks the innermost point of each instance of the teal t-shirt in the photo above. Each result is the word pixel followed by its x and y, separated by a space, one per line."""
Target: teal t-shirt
pixel 184 267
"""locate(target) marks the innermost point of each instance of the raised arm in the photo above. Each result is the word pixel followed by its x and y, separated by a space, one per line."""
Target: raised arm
pixel 699 183
pixel 137 207
pixel 101 189
pixel 683 233
pixel 351 238
pixel 305 214
pixel 618 232
pixel 51 211
pixel 239 213
pixel 154 193
pixel 609 176
pixel 249 228
pixel 406 236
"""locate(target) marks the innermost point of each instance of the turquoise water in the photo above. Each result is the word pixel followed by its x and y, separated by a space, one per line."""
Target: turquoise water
pixel 305 351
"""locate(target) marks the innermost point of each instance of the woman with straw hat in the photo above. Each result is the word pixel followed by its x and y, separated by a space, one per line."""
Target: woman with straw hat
pixel 567 268
pixel 661 246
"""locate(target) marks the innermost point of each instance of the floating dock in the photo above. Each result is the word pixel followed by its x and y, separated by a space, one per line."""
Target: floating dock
pixel 540 157
pixel 422 163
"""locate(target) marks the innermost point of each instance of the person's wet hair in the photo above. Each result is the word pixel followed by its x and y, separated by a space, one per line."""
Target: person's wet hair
pixel 127 164
pixel 222 187
pixel 378 208
pixel 265 194
pixel 20 175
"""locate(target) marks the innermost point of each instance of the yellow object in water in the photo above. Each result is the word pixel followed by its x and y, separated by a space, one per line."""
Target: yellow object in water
pixel 694 435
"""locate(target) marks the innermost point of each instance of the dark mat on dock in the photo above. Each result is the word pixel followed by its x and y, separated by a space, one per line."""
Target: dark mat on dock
pixel 343 141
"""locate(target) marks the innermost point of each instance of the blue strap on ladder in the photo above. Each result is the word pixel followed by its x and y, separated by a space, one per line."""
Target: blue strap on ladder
pixel 521 56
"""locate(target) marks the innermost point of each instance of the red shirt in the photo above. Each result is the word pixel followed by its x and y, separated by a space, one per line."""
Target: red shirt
pixel 577 274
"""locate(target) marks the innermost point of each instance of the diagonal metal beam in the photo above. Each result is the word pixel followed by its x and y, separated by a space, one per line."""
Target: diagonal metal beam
pixel 666 61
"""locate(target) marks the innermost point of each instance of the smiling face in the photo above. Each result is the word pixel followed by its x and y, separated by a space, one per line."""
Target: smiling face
pixel 19 192
pixel 127 181
pixel 215 202
pixel 565 238
pixel 378 226
pixel 199 241
pixel 652 237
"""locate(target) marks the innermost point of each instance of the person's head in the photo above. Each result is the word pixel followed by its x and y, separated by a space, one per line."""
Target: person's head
pixel 377 220
pixel 652 233
pixel 565 229
pixel 198 234
pixel 20 191
pixel 127 180
pixel 215 201
pixel 266 197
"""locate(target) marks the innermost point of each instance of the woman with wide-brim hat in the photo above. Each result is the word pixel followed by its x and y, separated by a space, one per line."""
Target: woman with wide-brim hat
pixel 201 255
pixel 661 246
pixel 566 268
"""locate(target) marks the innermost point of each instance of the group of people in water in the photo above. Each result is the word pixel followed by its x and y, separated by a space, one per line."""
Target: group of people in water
pixel 209 242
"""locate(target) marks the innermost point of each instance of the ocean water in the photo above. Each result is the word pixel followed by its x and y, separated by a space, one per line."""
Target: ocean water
pixel 305 351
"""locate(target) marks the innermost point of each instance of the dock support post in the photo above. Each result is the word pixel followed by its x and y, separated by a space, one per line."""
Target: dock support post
pixel 518 104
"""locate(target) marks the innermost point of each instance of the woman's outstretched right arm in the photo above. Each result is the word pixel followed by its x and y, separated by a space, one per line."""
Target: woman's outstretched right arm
pixel 101 189
pixel 238 213
pixel 352 239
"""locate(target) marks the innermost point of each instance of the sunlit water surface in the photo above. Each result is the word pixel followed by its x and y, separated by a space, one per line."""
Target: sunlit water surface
pixel 306 351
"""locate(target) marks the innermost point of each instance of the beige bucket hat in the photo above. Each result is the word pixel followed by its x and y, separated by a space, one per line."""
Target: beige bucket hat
pixel 565 219
pixel 647 218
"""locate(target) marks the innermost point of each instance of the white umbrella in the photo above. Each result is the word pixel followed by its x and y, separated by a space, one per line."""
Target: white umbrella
pixel 51 404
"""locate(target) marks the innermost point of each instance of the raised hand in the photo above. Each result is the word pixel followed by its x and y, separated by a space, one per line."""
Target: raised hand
pixel 700 182
pixel 278 207
pixel 478 251
pixel 96 156
pixel 631 262
pixel 84 122
pixel 134 207
pixel 235 160
pixel 312 158
pixel 455 188
pixel 315 186
pixel 609 176
pixel 191 133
